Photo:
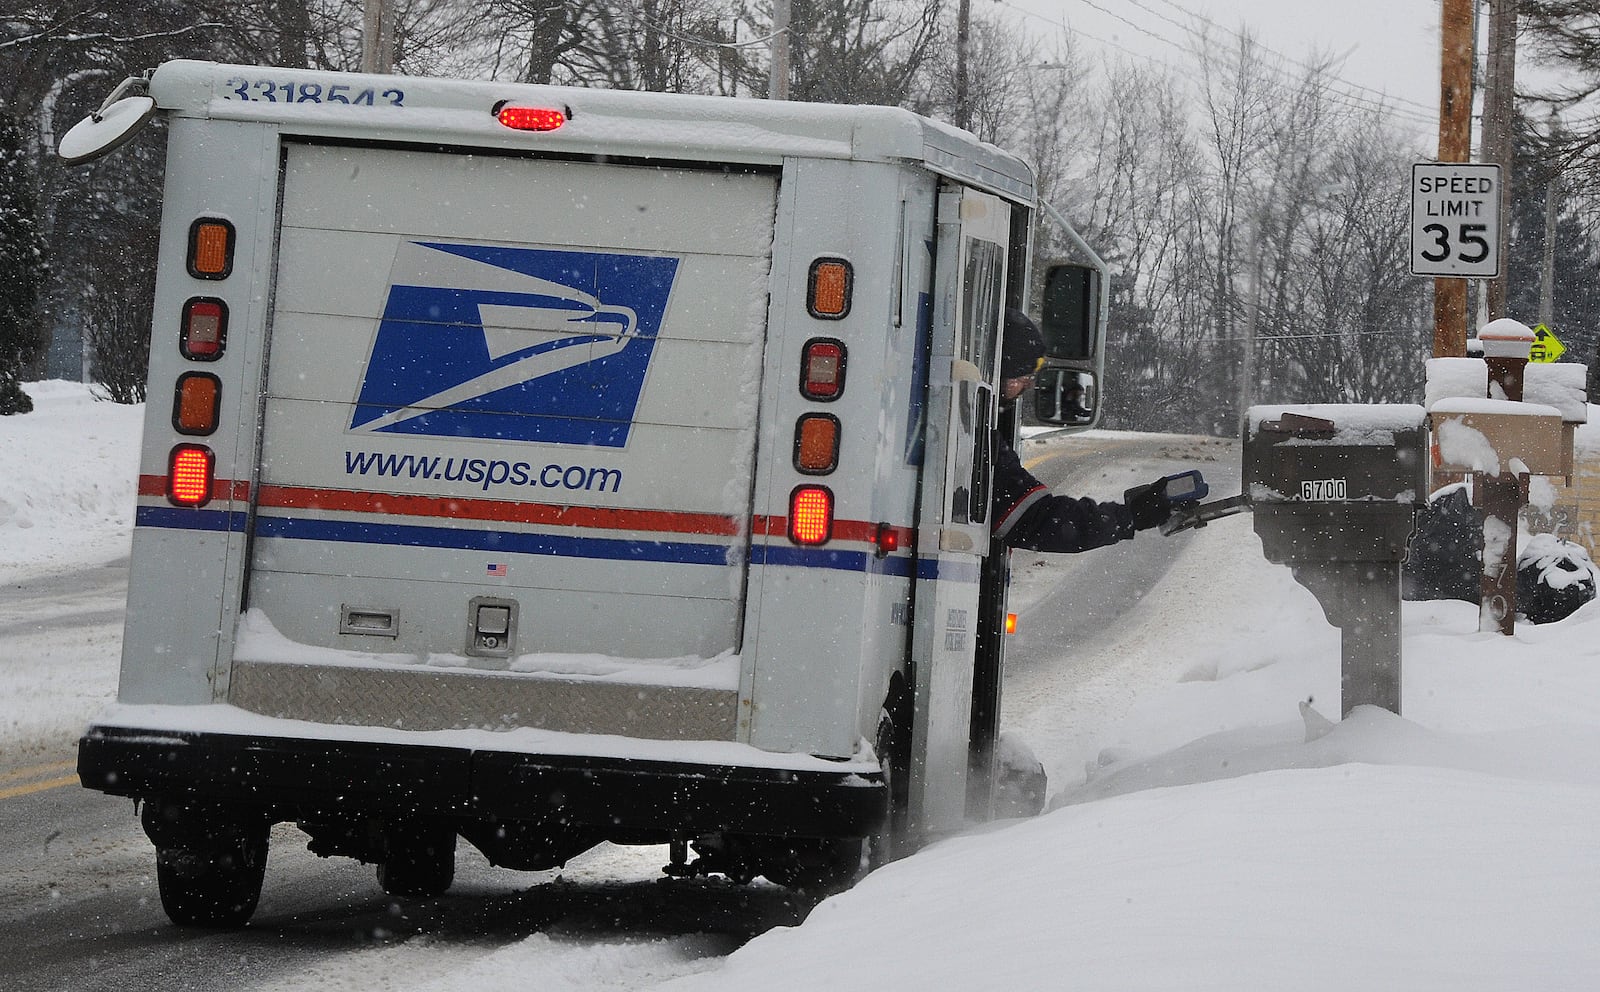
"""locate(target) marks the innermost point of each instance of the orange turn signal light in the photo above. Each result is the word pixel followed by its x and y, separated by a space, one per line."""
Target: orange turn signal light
pixel 197 403
pixel 211 248
pixel 828 295
pixel 816 443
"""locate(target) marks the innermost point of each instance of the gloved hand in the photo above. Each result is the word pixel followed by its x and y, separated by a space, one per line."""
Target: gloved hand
pixel 1148 505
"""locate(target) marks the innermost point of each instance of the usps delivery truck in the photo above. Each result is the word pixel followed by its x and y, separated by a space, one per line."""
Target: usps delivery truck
pixel 546 467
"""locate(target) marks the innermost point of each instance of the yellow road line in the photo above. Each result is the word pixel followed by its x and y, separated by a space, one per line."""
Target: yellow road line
pixel 37 770
pixel 53 783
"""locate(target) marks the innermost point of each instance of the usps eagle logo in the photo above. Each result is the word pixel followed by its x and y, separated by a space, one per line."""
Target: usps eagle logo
pixel 506 343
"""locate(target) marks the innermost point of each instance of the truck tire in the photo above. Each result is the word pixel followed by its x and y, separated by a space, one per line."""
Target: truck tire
pixel 816 866
pixel 214 883
pixel 888 842
pixel 421 861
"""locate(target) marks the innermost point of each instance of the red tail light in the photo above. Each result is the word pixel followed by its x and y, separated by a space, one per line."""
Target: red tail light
pixel 822 369
pixel 189 475
pixel 810 515
pixel 205 329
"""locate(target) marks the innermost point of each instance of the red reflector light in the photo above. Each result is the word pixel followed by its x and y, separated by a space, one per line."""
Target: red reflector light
pixel 197 404
pixel 189 475
pixel 531 118
pixel 210 248
pixel 887 539
pixel 205 329
pixel 822 369
pixel 810 515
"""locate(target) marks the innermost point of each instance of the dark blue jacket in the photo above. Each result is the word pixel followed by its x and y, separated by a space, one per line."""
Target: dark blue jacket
pixel 1027 515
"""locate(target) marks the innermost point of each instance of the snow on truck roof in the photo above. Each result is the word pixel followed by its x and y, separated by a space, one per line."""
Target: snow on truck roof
pixel 625 123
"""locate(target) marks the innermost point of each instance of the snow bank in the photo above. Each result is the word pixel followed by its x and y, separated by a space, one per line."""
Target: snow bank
pixel 68 472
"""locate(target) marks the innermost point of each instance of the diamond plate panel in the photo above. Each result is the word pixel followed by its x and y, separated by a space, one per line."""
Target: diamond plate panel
pixel 429 699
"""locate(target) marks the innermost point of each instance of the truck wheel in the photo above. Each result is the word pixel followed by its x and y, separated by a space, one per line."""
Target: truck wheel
pixel 888 842
pixel 421 862
pixel 816 866
pixel 215 883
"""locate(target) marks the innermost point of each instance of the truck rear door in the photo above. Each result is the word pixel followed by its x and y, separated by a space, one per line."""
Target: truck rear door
pixel 509 417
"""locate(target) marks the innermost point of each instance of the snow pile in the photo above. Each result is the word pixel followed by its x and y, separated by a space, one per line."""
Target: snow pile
pixel 67 477
pixel 1463 378
pixel 1563 385
pixel 1353 423
pixel 1213 825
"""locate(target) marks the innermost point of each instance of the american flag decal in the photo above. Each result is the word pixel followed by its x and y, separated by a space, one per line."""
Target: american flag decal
pixel 497 569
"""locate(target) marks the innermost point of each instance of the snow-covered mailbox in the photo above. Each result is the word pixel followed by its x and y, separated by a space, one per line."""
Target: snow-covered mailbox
pixel 1500 420
pixel 1335 489
pixel 1473 433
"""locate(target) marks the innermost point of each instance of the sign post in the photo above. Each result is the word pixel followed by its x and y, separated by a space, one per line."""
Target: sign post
pixel 1455 220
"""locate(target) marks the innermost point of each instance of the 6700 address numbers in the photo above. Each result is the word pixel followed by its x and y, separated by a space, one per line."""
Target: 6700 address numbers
pixel 1322 490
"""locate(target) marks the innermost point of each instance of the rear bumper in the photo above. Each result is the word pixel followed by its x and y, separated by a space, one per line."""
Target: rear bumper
pixel 301 779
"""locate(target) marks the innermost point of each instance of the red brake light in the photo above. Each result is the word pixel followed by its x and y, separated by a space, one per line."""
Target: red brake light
pixel 810 515
pixel 822 369
pixel 531 118
pixel 189 475
pixel 205 329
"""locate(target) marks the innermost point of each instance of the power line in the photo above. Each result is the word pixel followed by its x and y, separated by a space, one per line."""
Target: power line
pixel 1383 94
pixel 1355 101
pixel 1345 92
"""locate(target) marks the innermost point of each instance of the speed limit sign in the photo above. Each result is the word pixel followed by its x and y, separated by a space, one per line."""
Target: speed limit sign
pixel 1455 219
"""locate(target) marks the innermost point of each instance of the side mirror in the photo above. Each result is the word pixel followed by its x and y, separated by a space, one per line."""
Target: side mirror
pixel 1070 311
pixel 1067 397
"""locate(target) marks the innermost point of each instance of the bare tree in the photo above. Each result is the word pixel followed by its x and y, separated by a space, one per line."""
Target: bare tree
pixel 1002 64
pixel 861 51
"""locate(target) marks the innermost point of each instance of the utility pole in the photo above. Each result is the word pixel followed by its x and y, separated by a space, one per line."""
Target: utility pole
pixel 377 37
pixel 963 43
pixel 1499 106
pixel 778 75
pixel 1455 145
pixel 1547 268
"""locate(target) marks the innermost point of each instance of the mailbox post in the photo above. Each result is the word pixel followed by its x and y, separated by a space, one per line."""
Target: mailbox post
pixel 1335 489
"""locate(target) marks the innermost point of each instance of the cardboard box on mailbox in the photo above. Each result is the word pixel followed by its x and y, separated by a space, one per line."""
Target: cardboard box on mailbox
pixel 1485 435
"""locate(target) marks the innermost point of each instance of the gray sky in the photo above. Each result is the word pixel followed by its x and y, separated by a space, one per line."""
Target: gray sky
pixel 1387 47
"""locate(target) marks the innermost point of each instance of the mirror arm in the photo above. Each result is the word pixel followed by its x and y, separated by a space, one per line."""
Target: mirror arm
pixel 132 86
pixel 1104 307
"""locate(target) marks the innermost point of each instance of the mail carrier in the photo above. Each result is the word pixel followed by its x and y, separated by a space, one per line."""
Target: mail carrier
pixel 545 467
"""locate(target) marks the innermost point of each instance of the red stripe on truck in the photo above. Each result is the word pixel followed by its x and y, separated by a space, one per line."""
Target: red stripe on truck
pixel 504 511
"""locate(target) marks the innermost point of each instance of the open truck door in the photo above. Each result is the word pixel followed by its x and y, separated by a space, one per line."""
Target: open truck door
pixel 969 278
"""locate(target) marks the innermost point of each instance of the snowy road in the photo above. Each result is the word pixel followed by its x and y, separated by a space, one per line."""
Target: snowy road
pixel 78 903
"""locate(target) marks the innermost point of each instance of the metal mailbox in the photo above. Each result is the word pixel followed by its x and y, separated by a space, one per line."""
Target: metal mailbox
pixel 1332 483
pixel 1335 490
